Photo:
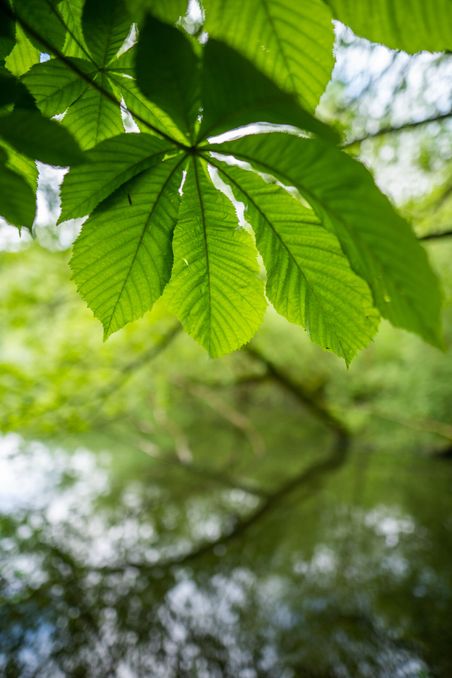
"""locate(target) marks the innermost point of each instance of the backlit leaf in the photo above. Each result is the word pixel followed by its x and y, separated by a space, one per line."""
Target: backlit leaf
pixel 380 245
pixel 309 280
pixel 107 167
pixel 215 289
pixel 411 25
pixel 289 40
pixel 122 258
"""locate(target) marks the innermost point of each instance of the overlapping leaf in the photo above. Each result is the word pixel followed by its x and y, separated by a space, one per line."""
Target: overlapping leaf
pixel 17 199
pixel 23 56
pixel 230 91
pixel 26 136
pixel 35 136
pixel 41 17
pixel 289 40
pixel 150 231
pixel 167 72
pixel 411 25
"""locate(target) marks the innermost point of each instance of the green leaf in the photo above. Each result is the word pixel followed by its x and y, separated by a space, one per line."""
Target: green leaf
pixel 167 71
pixel 39 138
pixel 22 165
pixel 378 242
pixel 55 86
pixel 289 40
pixel 411 25
pixel 122 258
pixel 42 17
pixel 215 289
pixel 17 200
pixel 146 114
pixel 166 10
pixel 23 56
pixel 71 13
pixel 7 35
pixel 309 280
pixel 106 25
pixel 235 93
pixel 13 92
pixel 107 167
pixel 94 117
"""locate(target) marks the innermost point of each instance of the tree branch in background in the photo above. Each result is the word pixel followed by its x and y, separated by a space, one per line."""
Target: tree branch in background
pixel 305 479
pixel 126 371
pixel 397 129
pixel 436 236
pixel 303 395
pixel 235 418
pixel 220 478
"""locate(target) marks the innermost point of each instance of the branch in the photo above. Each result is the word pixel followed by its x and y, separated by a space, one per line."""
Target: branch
pixel 129 368
pixel 400 128
pixel 242 525
pixel 238 420
pixel 436 236
pixel 303 395
pixel 219 478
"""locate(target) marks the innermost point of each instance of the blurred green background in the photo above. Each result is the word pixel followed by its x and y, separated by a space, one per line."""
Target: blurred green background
pixel 267 514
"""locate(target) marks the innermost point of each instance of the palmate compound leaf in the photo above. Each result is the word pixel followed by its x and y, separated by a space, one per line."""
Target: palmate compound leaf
pixel 215 288
pixel 122 259
pixel 309 280
pixel 411 25
pixel 379 244
pixel 85 92
pixel 291 41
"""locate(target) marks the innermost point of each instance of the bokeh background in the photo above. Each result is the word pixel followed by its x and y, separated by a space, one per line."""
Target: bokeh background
pixel 271 513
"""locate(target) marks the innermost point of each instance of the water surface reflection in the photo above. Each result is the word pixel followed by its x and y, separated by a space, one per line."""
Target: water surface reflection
pixel 340 583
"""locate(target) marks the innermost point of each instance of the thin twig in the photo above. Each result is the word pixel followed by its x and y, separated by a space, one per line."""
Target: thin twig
pixel 436 236
pixel 303 395
pixel 398 128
